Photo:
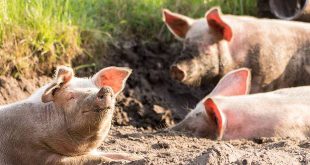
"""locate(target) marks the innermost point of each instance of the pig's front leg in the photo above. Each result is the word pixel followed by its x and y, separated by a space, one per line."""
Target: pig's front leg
pixel 95 157
pixel 74 160
pixel 116 156
pixel 121 157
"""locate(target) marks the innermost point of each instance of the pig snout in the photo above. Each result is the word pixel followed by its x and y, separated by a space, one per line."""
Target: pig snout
pixel 104 99
pixel 178 127
pixel 178 73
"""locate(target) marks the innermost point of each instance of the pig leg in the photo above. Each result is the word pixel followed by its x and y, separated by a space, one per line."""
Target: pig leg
pixel 116 156
pixel 96 157
pixel 121 156
pixel 83 159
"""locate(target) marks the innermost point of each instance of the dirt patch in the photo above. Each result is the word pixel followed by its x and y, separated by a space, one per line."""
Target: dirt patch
pixel 151 96
pixel 12 90
pixel 172 148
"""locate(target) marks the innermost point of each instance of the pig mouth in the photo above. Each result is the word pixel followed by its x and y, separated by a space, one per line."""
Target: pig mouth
pixel 193 81
pixel 105 109
pixel 99 110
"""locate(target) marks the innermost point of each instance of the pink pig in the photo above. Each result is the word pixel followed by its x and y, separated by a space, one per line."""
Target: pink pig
pixel 68 122
pixel 277 51
pixel 228 113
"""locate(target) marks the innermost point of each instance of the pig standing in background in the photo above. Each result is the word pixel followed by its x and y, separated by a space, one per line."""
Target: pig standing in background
pixel 228 113
pixel 68 125
pixel 277 51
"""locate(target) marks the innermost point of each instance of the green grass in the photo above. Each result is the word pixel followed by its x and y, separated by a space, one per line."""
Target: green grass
pixel 143 18
pixel 37 35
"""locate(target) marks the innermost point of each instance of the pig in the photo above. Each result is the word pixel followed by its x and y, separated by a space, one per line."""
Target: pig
pixel 275 50
pixel 67 125
pixel 228 112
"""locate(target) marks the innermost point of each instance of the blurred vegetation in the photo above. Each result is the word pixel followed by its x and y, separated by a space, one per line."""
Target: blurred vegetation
pixel 36 35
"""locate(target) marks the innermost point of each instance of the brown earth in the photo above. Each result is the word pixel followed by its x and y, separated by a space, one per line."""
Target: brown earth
pixel 12 89
pixel 152 101
pixel 172 148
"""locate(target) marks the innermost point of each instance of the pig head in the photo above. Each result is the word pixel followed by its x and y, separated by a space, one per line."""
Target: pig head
pixel 87 112
pixel 275 50
pixel 204 123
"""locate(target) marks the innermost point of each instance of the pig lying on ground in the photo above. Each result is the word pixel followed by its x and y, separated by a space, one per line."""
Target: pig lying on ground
pixel 275 50
pixel 67 126
pixel 228 113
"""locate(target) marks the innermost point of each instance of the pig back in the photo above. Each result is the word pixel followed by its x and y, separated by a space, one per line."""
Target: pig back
pixel 284 112
pixel 277 51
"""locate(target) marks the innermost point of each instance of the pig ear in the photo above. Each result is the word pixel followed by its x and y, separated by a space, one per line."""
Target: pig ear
pixel 114 77
pixel 216 115
pixel 236 82
pixel 178 24
pixel 216 22
pixel 62 76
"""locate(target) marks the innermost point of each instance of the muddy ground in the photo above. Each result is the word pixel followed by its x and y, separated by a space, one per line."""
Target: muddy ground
pixel 152 101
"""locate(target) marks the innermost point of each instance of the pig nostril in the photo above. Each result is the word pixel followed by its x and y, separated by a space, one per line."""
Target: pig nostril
pixel 177 73
pixel 104 92
pixel 100 96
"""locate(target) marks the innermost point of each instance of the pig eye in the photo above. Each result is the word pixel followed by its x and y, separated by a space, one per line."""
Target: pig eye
pixel 55 90
pixel 70 96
